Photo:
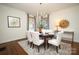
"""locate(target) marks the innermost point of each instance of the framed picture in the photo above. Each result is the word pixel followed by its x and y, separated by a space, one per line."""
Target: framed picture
pixel 13 22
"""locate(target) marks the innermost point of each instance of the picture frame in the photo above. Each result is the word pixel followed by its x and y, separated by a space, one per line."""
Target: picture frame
pixel 13 22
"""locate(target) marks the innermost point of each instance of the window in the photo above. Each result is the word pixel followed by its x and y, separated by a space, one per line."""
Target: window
pixel 31 23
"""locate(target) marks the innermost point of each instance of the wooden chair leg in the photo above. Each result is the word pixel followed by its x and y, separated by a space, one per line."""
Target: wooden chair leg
pixel 28 42
pixel 48 45
pixel 59 46
pixel 33 45
pixel 38 49
pixel 57 49
pixel 44 46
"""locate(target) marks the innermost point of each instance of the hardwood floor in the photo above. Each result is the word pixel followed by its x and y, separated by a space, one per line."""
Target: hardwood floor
pixel 75 49
pixel 13 48
pixel 74 46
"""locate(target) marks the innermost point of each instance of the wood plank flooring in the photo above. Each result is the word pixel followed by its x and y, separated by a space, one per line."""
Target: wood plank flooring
pixel 13 48
pixel 75 49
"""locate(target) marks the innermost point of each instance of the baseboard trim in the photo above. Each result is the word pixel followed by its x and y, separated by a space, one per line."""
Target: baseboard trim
pixel 76 42
pixel 70 42
pixel 14 40
pixel 66 41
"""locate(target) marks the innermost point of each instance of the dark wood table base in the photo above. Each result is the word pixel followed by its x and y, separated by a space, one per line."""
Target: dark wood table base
pixel 46 38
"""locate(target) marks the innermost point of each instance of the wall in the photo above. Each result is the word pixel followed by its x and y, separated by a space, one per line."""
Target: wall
pixel 10 34
pixel 72 15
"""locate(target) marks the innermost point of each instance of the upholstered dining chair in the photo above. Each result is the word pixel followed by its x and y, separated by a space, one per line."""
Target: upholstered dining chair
pixel 36 39
pixel 29 38
pixel 56 42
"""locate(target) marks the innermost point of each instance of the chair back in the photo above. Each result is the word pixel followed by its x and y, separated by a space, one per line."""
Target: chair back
pixel 59 37
pixel 29 36
pixel 35 37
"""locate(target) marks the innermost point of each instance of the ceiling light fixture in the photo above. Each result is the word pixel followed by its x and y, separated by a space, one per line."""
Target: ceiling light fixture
pixel 40 3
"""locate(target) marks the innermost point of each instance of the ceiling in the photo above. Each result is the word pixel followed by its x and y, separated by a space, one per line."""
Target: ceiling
pixel 44 7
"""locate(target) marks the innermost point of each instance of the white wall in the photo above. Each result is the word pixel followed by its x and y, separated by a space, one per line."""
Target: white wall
pixel 72 15
pixel 10 34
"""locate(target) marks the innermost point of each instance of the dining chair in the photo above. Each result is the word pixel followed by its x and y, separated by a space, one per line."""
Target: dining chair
pixel 56 41
pixel 29 38
pixel 37 40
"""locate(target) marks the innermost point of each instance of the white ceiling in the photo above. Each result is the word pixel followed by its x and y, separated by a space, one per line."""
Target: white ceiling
pixel 44 7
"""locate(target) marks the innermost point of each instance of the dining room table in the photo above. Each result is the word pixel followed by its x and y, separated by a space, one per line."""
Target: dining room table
pixel 46 37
